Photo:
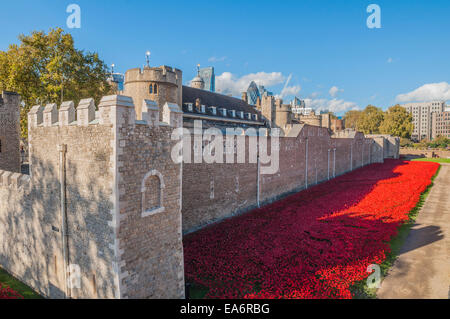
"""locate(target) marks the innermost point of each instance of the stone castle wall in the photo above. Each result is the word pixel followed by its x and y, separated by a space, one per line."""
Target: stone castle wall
pixel 149 234
pixel 308 156
pixel 121 250
pixel 390 145
pixel 30 223
pixel 128 203
pixel 420 153
pixel 9 132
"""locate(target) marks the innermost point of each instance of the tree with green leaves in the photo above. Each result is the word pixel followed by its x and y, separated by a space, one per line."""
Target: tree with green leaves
pixel 440 142
pixel 397 122
pixel 351 119
pixel 47 68
pixel 370 120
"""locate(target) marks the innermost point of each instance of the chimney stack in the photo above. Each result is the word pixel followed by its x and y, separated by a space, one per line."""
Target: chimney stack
pixel 244 97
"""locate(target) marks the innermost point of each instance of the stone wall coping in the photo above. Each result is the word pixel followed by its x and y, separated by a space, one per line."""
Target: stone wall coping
pixel 13 179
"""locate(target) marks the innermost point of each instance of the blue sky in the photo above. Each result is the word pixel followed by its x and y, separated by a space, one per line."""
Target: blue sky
pixel 317 44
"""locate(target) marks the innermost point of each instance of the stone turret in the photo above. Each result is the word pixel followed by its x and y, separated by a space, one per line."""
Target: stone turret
pixel 283 115
pixel 268 109
pixel 198 82
pixel 9 132
pixel 159 84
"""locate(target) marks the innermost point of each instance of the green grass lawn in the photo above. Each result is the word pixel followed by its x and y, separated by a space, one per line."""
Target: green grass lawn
pixel 9 281
pixel 435 160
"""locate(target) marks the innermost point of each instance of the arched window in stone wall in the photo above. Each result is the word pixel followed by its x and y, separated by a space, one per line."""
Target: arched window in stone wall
pixel 155 89
pixel 152 193
pixel 150 89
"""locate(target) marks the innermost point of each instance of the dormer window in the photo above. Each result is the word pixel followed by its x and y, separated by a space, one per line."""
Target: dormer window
pixel 241 114
pixel 224 112
pixel 232 113
pixel 213 110
pixel 249 116
pixel 190 107
pixel 255 117
pixel 203 109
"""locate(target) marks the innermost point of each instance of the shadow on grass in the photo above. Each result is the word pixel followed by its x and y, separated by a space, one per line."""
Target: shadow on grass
pixel 360 290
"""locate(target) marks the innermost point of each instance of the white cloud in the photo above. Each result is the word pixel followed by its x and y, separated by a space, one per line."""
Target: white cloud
pixel 334 105
pixel 334 91
pixel 427 92
pixel 217 59
pixel 290 90
pixel 228 83
pixel 390 60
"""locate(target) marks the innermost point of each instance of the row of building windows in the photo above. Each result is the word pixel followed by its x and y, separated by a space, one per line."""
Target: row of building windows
pixel 223 111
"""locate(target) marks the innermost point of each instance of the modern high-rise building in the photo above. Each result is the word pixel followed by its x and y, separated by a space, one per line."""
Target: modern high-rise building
pixel 254 92
pixel 263 91
pixel 440 123
pixel 116 80
pixel 299 107
pixel 208 76
pixel 422 118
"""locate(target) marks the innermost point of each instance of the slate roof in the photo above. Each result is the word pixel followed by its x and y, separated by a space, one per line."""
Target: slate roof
pixel 218 100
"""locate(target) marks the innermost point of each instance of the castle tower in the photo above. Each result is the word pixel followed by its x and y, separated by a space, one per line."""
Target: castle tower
pixel 198 82
pixel 9 132
pixel 159 84
pixel 282 115
pixel 268 109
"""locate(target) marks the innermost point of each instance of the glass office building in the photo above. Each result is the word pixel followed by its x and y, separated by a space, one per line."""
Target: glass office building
pixel 118 79
pixel 208 76
pixel 254 91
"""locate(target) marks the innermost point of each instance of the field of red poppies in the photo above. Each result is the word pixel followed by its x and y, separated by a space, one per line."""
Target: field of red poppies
pixel 8 293
pixel 314 244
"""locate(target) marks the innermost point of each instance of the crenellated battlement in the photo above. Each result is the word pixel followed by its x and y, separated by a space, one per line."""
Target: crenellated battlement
pixel 85 114
pixel 9 98
pixel 9 131
pixel 13 180
pixel 159 84
pixel 162 74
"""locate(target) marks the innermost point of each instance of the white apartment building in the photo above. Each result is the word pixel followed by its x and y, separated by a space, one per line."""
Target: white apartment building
pixel 422 117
